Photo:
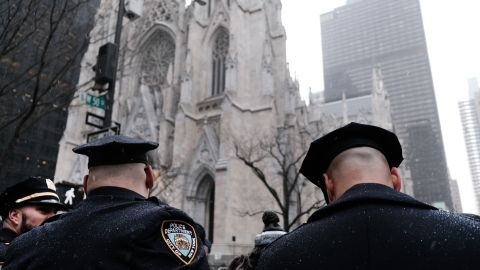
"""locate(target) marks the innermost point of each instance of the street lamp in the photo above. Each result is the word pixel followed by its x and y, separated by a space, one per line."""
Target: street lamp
pixel 107 61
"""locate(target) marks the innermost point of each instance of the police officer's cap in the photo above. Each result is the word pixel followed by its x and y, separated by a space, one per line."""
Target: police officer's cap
pixel 323 150
pixel 32 191
pixel 117 149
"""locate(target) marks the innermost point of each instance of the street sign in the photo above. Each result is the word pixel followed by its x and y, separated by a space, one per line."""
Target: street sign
pixel 103 133
pixel 94 120
pixel 70 194
pixel 96 101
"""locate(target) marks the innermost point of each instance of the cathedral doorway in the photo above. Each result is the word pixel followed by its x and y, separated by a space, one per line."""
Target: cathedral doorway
pixel 205 205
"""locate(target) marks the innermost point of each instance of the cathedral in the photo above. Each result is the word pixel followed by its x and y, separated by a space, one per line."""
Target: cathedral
pixel 201 80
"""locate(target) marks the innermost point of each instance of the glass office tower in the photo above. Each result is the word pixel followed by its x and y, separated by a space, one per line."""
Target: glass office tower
pixel 470 116
pixel 389 34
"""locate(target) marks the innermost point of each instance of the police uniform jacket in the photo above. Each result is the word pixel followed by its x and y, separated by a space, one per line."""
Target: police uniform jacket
pixel 114 228
pixel 375 227
pixel 6 236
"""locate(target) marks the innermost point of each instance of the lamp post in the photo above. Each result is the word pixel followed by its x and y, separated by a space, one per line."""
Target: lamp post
pixel 111 85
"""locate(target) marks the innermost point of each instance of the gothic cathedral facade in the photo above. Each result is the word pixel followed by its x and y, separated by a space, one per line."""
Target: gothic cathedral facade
pixel 195 79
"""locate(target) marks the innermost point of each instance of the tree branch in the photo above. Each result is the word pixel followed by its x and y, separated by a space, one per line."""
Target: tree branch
pixel 261 176
pixel 315 205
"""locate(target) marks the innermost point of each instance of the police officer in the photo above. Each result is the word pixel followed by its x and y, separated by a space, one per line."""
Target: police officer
pixel 25 206
pixel 116 226
pixel 368 223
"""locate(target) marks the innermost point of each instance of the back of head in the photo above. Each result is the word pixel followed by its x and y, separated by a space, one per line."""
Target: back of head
pixel 270 220
pixel 119 161
pixel 115 175
pixel 325 149
pixel 120 171
pixel 360 164
pixel 271 230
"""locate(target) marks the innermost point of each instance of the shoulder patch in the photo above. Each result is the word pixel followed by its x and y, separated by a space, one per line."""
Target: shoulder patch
pixel 181 239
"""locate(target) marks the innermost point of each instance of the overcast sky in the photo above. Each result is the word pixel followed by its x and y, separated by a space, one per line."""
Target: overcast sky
pixel 453 40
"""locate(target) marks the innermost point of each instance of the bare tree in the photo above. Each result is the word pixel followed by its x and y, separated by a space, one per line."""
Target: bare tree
pixel 284 152
pixel 41 45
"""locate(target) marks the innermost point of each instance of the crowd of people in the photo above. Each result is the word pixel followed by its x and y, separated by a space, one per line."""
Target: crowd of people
pixel 367 222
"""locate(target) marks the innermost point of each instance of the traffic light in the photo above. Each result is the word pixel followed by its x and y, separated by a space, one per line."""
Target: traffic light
pixel 105 63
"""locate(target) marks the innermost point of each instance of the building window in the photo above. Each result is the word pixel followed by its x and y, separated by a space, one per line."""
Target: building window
pixel 219 55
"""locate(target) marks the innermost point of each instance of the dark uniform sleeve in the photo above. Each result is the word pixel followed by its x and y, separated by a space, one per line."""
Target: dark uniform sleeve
pixel 20 253
pixel 180 239
pixel 3 253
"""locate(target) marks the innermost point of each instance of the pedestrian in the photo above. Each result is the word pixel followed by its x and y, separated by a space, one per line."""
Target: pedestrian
pixel 24 206
pixel 116 226
pixel 271 232
pixel 368 223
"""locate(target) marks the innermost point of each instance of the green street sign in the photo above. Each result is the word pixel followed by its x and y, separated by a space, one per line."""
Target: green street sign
pixel 99 102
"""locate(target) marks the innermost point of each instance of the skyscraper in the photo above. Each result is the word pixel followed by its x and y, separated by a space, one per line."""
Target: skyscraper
pixel 41 43
pixel 388 34
pixel 469 113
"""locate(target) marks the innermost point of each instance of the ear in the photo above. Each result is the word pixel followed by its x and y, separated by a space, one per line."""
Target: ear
pixel 330 187
pixel 150 178
pixel 396 178
pixel 15 216
pixel 85 183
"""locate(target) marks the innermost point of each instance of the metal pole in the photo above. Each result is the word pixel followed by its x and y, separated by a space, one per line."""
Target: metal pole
pixel 111 86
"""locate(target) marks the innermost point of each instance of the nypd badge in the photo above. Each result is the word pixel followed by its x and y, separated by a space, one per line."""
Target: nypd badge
pixel 180 237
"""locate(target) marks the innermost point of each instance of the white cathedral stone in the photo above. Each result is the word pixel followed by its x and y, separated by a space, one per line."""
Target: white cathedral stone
pixel 164 93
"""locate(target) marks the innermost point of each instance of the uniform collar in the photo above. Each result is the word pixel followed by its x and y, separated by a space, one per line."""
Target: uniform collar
pixel 7 235
pixel 116 192
pixel 370 192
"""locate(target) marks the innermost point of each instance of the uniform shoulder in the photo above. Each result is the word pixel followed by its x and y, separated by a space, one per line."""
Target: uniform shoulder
pixel 471 217
pixel 164 207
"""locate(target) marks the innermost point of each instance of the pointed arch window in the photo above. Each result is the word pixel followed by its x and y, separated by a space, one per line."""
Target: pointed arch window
pixel 158 54
pixel 219 56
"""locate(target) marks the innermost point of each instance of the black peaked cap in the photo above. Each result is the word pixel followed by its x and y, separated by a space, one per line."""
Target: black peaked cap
pixel 323 150
pixel 31 191
pixel 116 149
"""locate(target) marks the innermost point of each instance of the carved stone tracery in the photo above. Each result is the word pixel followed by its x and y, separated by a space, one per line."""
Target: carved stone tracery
pixel 166 11
pixel 157 55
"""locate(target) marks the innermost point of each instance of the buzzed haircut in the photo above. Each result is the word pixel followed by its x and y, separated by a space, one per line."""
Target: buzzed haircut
pixel 366 159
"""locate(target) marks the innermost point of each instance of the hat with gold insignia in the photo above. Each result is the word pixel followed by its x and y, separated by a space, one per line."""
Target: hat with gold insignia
pixel 116 149
pixel 323 150
pixel 32 191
